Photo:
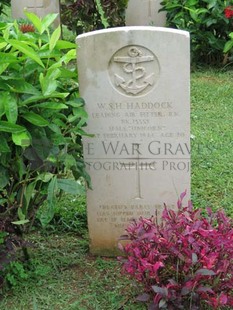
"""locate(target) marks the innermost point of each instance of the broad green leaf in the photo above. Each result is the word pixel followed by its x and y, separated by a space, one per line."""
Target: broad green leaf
pixel 21 86
pixel 59 123
pixel 80 170
pixel 21 215
pixel 35 20
pixel 4 147
pixel 70 186
pixel 53 73
pixel 55 128
pixel 194 16
pixel 8 58
pixel 45 177
pixel 228 46
pixel 52 188
pixel 21 222
pixel 28 194
pixel 69 161
pixel 4 84
pixel 61 44
pixel 2 201
pixel 69 74
pixel 51 105
pixel 2 45
pixel 48 211
pixel 8 78
pixel 211 4
pixel 22 139
pixel 6 33
pixel 4 177
pixel 45 53
pixel 12 128
pixel 71 55
pixel 21 167
pixel 41 142
pixel 173 6
pixel 49 82
pixel 201 11
pixel 81 123
pixel 35 119
pixel 11 108
pixel 3 25
pixel 191 2
pixel 48 20
pixel 82 132
pixel 54 38
pixel 59 139
pixel 27 50
pixel 2 109
pixel 3 67
pixel 211 21
pixel 76 103
pixel 48 86
pixel 78 113
pixel 38 98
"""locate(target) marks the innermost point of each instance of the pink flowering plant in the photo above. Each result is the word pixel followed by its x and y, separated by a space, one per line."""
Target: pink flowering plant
pixel 184 260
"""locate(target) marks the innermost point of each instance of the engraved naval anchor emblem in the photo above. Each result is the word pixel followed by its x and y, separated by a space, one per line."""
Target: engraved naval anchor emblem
pixel 134 78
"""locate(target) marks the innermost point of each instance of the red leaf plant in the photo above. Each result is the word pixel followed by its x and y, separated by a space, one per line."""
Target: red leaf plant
pixel 184 260
pixel 27 28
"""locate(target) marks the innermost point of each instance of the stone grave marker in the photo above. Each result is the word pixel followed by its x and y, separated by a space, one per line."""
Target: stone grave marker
pixel 135 82
pixel 39 7
pixel 145 13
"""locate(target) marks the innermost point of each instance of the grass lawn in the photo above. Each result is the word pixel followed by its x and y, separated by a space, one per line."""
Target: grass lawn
pixel 212 139
pixel 65 276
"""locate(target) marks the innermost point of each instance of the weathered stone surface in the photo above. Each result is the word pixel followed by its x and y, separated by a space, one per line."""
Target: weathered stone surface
pixel 135 81
pixel 39 7
pixel 145 13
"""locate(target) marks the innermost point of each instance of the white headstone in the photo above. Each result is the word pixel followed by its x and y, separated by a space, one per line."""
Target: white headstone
pixel 135 82
pixel 39 7
pixel 145 13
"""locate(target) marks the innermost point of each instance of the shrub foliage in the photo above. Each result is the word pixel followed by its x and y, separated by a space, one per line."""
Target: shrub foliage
pixel 185 261
pixel 3 4
pixel 41 123
pixel 83 16
pixel 208 26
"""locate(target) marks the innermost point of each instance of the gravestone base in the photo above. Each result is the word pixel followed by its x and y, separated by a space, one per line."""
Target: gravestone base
pixel 135 82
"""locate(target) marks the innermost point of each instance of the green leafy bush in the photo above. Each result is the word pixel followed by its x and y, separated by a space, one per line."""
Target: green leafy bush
pixel 229 15
pixel 41 123
pixel 83 16
pixel 208 26
pixel 3 4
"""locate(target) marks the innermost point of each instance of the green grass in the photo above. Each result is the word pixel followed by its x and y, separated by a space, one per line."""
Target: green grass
pixel 212 142
pixel 65 276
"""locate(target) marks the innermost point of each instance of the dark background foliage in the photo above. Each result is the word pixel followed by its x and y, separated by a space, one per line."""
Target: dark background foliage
pixel 207 24
pixel 83 15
